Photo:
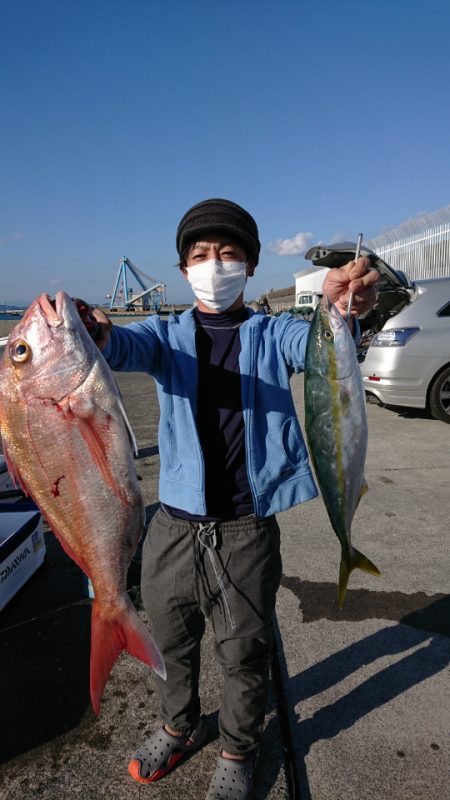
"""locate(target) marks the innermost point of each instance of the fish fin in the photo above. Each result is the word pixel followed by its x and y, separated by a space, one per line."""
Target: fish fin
pixel 110 635
pixel 364 489
pixel 133 441
pixel 356 560
pixel 97 447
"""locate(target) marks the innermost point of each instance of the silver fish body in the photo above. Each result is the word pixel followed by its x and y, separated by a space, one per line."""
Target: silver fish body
pixel 336 429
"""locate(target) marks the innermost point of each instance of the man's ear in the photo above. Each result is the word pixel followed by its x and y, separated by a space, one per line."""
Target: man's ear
pixel 183 270
pixel 250 269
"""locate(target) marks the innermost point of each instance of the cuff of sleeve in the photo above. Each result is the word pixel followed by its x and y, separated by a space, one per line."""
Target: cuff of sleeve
pixel 106 352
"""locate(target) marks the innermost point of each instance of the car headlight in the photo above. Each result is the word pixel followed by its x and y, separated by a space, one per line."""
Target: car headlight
pixel 394 337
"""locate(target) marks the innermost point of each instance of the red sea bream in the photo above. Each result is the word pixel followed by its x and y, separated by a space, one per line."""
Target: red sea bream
pixel 67 442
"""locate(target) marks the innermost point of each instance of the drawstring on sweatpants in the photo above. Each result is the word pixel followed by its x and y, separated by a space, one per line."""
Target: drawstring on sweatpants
pixel 207 537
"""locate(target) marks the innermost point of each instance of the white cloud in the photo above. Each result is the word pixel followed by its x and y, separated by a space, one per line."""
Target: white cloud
pixel 290 247
pixel 339 237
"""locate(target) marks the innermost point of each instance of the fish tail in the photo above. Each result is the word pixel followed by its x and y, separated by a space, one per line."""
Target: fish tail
pixel 109 636
pixel 353 560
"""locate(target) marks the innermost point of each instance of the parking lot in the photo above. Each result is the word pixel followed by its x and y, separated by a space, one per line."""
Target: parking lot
pixel 366 689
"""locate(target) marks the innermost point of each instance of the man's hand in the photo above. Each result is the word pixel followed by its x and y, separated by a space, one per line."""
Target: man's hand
pixel 356 277
pixel 105 326
pixel 96 322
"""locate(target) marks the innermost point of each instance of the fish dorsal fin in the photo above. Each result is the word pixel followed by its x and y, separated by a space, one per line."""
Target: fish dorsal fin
pixel 128 426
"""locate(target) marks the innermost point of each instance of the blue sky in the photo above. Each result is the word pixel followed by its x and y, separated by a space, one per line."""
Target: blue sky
pixel 321 118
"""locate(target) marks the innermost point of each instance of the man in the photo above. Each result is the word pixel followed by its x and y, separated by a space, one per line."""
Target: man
pixel 232 456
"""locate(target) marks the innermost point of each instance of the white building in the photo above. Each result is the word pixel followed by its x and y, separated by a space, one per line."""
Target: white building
pixel 308 286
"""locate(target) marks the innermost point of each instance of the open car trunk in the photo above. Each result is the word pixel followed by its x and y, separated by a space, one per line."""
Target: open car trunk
pixel 395 290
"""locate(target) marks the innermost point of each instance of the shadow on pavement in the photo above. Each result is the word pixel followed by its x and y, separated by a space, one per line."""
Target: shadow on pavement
pixel 44 678
pixel 419 610
pixel 406 412
pixel 430 622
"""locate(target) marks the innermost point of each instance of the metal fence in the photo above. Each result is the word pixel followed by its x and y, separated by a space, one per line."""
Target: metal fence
pixel 419 247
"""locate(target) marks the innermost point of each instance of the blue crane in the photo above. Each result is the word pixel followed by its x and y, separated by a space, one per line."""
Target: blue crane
pixel 153 296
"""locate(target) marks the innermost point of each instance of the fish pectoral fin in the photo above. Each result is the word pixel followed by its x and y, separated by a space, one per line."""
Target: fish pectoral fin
pixel 123 630
pixel 94 425
pixel 355 560
pixel 79 406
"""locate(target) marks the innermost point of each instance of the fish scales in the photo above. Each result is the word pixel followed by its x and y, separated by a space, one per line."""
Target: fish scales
pixel 336 429
pixel 67 442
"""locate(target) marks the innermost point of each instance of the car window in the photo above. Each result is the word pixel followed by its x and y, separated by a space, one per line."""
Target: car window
pixel 445 311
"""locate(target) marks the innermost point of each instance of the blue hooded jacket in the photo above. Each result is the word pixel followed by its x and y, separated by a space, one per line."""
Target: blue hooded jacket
pixel 272 349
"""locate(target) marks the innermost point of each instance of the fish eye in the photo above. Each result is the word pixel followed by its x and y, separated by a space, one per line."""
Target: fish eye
pixel 328 335
pixel 20 352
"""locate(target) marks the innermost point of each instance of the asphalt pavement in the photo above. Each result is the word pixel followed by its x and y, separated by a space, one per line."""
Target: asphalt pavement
pixel 369 686
pixel 360 698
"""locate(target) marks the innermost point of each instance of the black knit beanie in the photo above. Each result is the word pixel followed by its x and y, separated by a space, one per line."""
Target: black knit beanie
pixel 222 216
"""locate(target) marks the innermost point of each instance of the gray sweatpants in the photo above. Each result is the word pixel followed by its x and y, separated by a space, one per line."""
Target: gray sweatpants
pixel 181 585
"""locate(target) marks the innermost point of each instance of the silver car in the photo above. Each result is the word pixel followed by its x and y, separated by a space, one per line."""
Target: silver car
pixel 405 343
pixel 408 362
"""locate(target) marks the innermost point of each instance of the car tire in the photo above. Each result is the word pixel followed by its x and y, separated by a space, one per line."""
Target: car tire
pixel 439 397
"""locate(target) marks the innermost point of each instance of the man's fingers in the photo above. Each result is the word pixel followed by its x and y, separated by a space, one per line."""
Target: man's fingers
pixel 355 278
pixel 358 284
pixel 364 299
pixel 100 316
pixel 356 269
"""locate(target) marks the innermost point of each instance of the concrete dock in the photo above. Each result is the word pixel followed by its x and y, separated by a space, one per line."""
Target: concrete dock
pixel 360 698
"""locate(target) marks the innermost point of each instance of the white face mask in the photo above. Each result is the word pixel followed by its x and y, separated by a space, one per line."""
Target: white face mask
pixel 217 283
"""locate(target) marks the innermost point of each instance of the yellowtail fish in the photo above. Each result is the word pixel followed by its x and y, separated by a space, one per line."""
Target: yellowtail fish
pixel 336 429
pixel 68 443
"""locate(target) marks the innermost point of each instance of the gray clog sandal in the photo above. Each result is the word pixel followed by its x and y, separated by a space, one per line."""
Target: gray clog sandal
pixel 232 780
pixel 161 752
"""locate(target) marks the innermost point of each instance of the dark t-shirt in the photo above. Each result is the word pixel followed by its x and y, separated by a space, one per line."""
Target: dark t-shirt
pixel 220 422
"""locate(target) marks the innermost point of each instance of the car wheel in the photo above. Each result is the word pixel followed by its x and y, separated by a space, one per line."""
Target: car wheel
pixel 439 401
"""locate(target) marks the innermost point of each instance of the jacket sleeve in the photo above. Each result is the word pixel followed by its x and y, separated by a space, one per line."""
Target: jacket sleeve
pixel 293 335
pixel 133 348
